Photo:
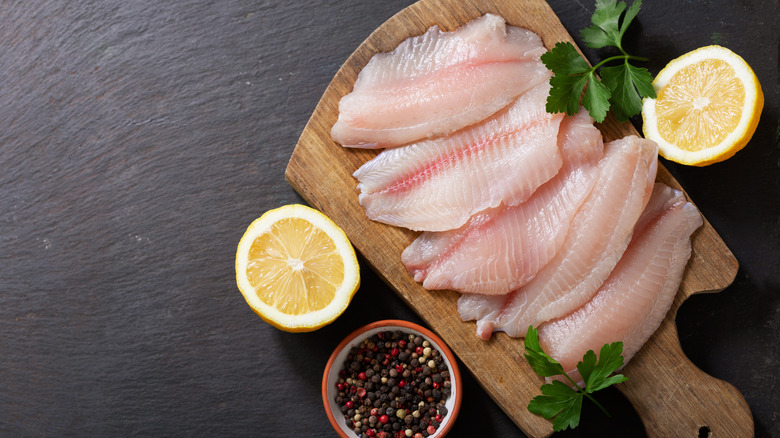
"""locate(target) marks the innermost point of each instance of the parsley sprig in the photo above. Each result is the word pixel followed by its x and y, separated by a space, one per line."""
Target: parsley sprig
pixel 621 87
pixel 560 402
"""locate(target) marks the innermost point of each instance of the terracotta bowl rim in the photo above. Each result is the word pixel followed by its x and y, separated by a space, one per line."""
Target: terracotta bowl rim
pixel 455 377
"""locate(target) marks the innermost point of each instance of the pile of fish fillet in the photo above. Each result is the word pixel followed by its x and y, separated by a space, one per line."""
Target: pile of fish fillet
pixel 529 215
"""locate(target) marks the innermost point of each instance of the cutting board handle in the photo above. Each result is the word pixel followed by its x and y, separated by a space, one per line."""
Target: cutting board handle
pixel 683 402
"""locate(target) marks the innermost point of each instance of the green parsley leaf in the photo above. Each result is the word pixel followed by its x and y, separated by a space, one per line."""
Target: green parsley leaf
pixel 632 11
pixel 596 374
pixel 564 60
pixel 623 86
pixel 565 94
pixel 605 30
pixel 596 99
pixel 571 75
pixel 628 85
pixel 560 402
pixel 541 363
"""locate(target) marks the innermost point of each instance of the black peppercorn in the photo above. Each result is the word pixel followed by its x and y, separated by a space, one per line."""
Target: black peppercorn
pixel 399 378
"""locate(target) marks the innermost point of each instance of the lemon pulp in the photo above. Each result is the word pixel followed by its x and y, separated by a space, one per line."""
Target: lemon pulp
pixel 701 105
pixel 295 267
pixel 708 104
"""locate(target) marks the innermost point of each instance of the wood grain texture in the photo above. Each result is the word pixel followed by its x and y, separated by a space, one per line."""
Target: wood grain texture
pixel 671 395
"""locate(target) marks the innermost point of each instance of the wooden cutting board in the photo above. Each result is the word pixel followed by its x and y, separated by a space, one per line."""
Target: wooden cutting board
pixel 672 396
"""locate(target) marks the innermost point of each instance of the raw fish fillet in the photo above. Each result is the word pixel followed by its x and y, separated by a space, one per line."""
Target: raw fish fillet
pixel 485 309
pixel 500 249
pixel 439 82
pixel 636 297
pixel 481 308
pixel 438 184
pixel 599 234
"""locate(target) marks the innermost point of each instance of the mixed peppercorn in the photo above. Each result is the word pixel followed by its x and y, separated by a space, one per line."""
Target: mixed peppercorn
pixel 393 385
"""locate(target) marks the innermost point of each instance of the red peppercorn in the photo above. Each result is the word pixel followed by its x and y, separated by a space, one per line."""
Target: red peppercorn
pixel 431 430
pixel 389 360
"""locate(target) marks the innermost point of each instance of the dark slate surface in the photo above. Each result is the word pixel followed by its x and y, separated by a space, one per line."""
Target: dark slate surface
pixel 137 142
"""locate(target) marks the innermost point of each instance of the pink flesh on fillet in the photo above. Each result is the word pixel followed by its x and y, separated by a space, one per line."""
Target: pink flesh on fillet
pixel 632 302
pixel 500 249
pixel 438 184
pixel 439 82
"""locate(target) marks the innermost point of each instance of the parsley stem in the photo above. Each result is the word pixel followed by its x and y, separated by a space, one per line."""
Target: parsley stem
pixel 618 58
pixel 582 391
pixel 598 404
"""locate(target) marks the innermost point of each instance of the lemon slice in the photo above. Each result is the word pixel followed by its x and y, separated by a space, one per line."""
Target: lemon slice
pixel 296 268
pixel 708 105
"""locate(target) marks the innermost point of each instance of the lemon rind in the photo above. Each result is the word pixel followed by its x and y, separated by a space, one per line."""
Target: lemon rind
pixel 343 295
pixel 744 129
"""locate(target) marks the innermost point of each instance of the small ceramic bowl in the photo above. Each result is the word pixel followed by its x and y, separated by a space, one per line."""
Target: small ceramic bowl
pixel 331 375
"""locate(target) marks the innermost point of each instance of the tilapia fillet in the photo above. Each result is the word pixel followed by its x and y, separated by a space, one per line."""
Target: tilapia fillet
pixel 597 237
pixel 500 249
pixel 600 233
pixel 439 82
pixel 636 297
pixel 438 184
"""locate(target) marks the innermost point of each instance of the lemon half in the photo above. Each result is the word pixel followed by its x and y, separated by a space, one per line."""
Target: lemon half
pixel 296 268
pixel 707 108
